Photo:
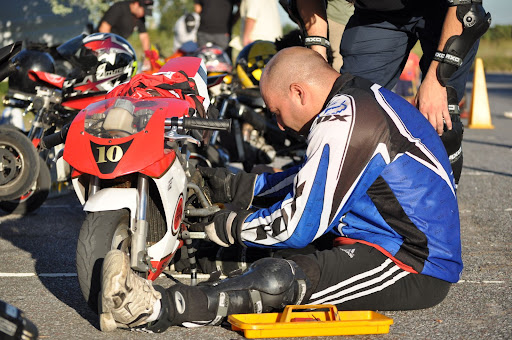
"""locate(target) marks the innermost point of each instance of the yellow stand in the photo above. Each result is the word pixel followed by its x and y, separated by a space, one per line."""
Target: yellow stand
pixel 480 112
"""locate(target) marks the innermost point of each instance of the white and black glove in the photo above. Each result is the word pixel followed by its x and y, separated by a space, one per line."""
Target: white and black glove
pixel 236 190
pixel 225 228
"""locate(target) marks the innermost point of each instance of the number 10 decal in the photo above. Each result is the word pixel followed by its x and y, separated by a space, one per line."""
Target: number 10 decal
pixel 113 153
pixel 107 157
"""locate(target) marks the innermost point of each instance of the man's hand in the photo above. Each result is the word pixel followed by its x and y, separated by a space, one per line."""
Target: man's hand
pixel 432 102
pixel 227 187
pixel 225 227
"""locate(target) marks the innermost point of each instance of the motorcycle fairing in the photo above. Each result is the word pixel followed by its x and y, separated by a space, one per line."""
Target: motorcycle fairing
pixel 114 199
pixel 47 78
pixel 147 145
pixel 79 102
pixel 172 188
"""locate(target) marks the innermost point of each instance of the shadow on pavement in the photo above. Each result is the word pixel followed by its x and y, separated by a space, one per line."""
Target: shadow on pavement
pixel 50 235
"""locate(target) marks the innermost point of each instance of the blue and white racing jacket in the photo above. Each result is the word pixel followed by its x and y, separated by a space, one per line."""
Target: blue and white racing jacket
pixel 375 172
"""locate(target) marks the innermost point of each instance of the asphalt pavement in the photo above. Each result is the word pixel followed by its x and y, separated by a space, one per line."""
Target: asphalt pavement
pixel 38 275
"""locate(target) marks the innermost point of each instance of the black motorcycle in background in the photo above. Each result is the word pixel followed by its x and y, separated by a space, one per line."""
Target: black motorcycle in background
pixel 48 87
pixel 255 137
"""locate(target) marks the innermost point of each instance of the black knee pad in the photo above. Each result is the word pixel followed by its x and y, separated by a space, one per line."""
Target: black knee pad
pixel 452 141
pixel 268 284
pixel 312 270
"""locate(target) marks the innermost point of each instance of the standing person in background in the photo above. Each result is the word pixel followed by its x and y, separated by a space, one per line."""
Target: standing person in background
pixel 217 19
pixel 377 41
pixel 123 17
pixel 338 13
pixel 260 21
pixel 185 29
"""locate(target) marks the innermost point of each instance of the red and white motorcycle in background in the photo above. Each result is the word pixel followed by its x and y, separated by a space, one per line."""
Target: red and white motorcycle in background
pixel 134 176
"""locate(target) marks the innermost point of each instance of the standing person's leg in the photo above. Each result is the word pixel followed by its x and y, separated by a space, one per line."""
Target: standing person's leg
pixel 202 38
pixel 335 33
pixel 338 14
pixel 429 33
pixel 374 48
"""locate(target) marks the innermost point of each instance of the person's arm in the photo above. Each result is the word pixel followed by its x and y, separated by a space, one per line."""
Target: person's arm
pixel 314 16
pixel 144 40
pixel 317 199
pixel 105 27
pixel 431 98
pixel 248 29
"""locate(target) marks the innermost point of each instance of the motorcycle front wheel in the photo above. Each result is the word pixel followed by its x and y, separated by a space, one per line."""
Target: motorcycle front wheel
pixel 103 231
pixel 100 232
pixel 35 196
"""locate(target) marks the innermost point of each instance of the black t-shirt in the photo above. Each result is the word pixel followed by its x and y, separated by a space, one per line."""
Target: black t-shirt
pixel 216 15
pixel 122 20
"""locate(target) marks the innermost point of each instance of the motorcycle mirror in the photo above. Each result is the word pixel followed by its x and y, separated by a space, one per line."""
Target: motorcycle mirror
pixel 6 54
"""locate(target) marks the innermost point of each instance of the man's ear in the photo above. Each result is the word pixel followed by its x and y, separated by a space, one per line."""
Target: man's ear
pixel 297 92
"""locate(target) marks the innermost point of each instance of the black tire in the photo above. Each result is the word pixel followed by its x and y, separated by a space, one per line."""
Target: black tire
pixel 36 195
pixel 94 242
pixel 19 163
pixel 106 230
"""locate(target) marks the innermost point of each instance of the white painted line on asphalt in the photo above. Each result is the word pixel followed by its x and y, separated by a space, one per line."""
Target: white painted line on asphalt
pixel 187 276
pixel 484 281
pixel 478 173
pixel 178 276
pixel 40 275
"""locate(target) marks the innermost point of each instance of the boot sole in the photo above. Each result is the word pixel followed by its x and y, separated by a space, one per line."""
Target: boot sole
pixel 110 285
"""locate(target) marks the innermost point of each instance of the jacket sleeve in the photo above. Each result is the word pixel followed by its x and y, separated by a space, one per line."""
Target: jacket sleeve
pixel 306 211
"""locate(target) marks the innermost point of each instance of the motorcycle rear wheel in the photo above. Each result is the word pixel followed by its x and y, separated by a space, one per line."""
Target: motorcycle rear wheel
pixel 103 231
pixel 18 163
pixel 35 196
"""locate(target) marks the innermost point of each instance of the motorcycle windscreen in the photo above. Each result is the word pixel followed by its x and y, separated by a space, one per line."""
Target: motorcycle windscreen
pixel 118 117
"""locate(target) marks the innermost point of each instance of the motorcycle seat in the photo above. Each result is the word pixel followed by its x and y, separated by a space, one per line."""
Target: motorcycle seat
pixel 250 97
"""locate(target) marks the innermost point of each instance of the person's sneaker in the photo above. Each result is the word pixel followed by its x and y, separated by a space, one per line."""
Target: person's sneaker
pixel 126 299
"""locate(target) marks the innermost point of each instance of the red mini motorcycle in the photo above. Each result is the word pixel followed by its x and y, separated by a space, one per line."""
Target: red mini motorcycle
pixel 132 171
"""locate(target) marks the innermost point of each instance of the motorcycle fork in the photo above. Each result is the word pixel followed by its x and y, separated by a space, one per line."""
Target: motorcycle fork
pixel 139 257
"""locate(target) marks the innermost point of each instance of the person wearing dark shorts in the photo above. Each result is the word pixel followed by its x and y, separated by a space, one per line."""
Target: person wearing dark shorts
pixel 217 20
pixel 376 179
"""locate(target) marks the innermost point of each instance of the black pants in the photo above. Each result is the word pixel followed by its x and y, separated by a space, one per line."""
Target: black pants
pixel 359 277
pixel 353 277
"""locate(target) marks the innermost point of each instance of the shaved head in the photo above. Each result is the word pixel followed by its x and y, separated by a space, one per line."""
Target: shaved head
pixel 297 80
pixel 297 64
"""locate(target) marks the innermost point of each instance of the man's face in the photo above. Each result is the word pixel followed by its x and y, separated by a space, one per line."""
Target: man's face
pixel 138 10
pixel 279 105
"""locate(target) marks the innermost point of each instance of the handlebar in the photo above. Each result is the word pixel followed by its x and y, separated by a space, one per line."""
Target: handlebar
pixel 7 71
pixel 48 142
pixel 199 123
